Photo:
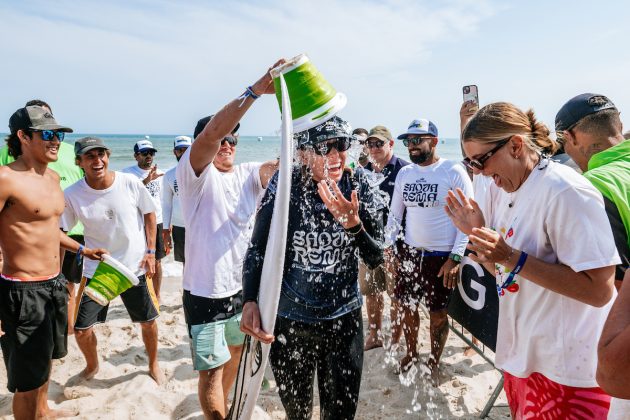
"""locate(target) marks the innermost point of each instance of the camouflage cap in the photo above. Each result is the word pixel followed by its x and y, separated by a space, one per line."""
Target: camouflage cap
pixel 380 132
pixel 34 118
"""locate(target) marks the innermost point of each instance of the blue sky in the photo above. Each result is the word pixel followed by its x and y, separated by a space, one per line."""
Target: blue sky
pixel 155 67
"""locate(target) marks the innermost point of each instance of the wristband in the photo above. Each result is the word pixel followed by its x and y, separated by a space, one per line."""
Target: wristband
pixel 79 256
pixel 455 257
pixel 251 93
pixel 151 251
pixel 519 266
pixel 354 230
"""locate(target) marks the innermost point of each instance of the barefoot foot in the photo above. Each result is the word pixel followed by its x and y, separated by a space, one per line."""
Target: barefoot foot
pixel 372 342
pixel 88 373
pixel 156 373
pixel 57 414
pixel 407 362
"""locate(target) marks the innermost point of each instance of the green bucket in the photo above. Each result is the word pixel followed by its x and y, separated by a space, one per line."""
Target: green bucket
pixel 110 279
pixel 313 99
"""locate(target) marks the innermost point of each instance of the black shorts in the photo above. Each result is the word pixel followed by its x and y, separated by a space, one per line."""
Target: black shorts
pixel 418 278
pixel 34 317
pixel 202 310
pixel 160 252
pixel 179 239
pixel 140 301
pixel 70 269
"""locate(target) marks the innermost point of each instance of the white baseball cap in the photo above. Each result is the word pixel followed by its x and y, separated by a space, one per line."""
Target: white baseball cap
pixel 181 142
pixel 143 145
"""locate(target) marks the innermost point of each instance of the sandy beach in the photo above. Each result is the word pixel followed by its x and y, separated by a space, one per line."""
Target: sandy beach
pixel 122 388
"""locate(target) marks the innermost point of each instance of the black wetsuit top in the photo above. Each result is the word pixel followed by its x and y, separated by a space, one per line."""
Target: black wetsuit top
pixel 321 260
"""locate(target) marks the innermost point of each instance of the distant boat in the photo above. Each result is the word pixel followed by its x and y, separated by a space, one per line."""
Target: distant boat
pixel 259 138
pixel 147 137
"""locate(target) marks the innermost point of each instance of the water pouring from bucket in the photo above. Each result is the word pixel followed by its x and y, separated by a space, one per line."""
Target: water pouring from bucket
pixel 110 279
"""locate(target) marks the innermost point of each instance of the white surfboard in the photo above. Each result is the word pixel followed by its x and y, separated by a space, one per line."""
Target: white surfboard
pixel 255 353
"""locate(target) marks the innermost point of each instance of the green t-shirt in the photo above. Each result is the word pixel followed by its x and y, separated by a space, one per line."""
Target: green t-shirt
pixel 68 171
pixel 609 172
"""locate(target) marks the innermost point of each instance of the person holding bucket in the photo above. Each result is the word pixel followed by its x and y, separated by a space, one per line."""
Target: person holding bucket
pixel 117 213
pixel 218 200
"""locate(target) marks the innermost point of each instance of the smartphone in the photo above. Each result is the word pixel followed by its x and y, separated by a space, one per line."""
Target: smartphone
pixel 471 93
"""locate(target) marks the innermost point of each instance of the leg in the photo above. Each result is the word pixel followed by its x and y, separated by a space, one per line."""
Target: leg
pixel 86 339
pixel 26 405
pixel 157 279
pixel 411 325
pixel 438 330
pixel 230 370
pixel 71 306
pixel 339 367
pixel 293 364
pixel 43 411
pixel 150 339
pixel 210 390
pixel 374 305
pixel 396 316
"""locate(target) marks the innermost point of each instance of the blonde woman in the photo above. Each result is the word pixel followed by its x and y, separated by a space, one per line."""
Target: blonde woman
pixel 544 232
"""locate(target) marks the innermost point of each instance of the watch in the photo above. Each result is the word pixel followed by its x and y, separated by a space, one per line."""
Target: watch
pixel 455 257
pixel 151 251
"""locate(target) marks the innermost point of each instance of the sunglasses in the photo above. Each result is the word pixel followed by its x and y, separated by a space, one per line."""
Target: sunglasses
pixel 375 144
pixel 232 141
pixel 478 163
pixel 415 140
pixel 49 135
pixel 341 144
pixel 148 153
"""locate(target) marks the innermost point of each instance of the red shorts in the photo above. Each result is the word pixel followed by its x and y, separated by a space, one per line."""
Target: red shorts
pixel 418 279
pixel 537 397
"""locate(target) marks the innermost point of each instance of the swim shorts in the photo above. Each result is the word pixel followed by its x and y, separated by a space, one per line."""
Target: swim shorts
pixel 34 316
pixel 140 301
pixel 418 278
pixel 70 269
pixel 179 240
pixel 213 325
pixel 538 397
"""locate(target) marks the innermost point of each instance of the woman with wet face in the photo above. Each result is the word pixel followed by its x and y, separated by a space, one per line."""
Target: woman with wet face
pixel 543 231
pixel 334 219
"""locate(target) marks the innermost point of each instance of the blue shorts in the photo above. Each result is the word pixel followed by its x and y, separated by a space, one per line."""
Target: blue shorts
pixel 213 325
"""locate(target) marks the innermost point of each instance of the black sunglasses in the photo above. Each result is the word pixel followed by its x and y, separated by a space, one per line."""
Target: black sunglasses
pixel 49 135
pixel 415 140
pixel 232 141
pixel 341 144
pixel 478 163
pixel 372 144
pixel 148 153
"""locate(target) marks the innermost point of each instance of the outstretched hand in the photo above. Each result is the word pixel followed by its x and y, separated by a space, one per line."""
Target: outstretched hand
pixel 264 85
pixel 344 211
pixel 152 175
pixel 463 211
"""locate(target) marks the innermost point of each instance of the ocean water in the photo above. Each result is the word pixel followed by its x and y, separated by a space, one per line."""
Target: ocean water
pixel 249 149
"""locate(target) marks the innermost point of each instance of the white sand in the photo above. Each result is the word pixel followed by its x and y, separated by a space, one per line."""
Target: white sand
pixel 123 390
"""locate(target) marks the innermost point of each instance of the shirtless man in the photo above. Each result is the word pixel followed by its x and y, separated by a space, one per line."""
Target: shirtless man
pixel 31 202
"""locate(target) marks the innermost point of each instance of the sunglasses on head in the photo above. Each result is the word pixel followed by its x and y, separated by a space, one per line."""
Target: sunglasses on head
pixel 49 135
pixel 479 162
pixel 232 141
pixel 148 153
pixel 415 140
pixel 341 144
pixel 375 144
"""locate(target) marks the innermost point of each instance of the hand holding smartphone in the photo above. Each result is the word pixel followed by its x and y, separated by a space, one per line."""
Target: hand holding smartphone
pixel 470 105
pixel 471 93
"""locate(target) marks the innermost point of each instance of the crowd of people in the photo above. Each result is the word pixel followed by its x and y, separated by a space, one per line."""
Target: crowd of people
pixel 556 239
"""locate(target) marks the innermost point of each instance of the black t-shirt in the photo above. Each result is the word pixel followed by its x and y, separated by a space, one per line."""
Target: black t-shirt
pixel 321 260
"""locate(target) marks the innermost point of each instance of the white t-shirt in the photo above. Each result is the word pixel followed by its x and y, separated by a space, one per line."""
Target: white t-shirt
pixel 154 187
pixel 218 212
pixel 558 217
pixel 171 207
pixel 422 191
pixel 619 409
pixel 112 219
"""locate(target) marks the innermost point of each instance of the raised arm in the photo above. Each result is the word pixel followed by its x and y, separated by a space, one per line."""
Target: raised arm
pixel 267 170
pixel 208 142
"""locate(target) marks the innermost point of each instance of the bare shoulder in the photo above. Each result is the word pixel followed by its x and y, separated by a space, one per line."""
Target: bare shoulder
pixel 54 175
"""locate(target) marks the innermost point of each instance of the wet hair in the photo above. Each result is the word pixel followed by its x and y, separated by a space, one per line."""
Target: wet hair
pixel 360 131
pixel 499 120
pixel 604 124
pixel 38 102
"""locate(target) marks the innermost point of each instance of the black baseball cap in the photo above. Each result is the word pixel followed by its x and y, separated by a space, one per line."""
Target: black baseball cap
pixel 579 107
pixel 86 144
pixel 201 124
pixel 34 118
pixel 329 129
